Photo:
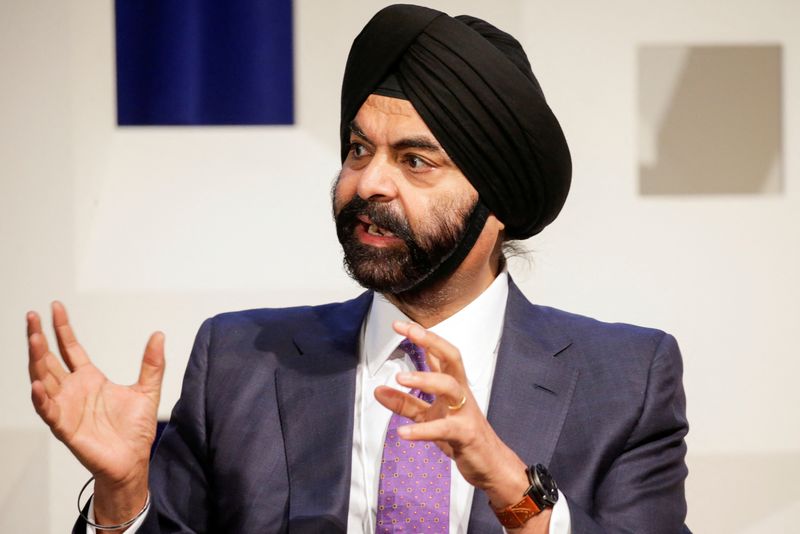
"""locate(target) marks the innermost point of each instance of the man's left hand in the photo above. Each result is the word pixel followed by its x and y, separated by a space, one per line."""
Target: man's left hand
pixel 454 421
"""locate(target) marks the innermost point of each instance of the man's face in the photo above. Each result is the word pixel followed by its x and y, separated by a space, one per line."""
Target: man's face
pixel 400 203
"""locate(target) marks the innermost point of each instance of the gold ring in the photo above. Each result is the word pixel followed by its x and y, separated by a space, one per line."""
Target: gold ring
pixel 459 405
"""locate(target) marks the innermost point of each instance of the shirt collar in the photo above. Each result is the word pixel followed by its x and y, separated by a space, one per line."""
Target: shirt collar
pixel 475 330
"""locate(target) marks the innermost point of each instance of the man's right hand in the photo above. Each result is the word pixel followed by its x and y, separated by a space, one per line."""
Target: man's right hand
pixel 109 428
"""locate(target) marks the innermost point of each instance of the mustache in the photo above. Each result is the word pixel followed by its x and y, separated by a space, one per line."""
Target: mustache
pixel 379 213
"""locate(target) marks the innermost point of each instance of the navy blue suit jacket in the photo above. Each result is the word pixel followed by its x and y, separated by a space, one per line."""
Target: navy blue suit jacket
pixel 261 438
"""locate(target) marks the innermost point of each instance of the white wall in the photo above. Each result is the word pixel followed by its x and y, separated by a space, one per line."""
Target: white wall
pixel 138 229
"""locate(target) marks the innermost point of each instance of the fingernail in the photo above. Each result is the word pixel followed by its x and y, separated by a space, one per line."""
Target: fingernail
pixel 403 431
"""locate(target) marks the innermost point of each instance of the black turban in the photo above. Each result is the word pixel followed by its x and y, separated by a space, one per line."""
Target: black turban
pixel 473 86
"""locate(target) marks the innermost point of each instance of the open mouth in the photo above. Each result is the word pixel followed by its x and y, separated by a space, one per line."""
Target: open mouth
pixel 373 232
pixel 374 229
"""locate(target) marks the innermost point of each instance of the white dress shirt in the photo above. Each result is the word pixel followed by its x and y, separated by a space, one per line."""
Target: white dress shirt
pixel 476 331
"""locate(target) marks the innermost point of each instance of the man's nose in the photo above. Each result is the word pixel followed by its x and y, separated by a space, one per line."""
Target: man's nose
pixel 378 180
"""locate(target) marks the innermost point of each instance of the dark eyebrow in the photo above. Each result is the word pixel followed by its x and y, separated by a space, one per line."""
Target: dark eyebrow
pixel 421 142
pixel 356 129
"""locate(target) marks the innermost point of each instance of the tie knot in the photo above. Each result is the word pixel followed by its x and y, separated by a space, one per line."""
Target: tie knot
pixel 416 353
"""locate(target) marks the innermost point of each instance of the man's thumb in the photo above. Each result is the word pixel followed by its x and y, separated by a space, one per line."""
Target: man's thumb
pixel 152 371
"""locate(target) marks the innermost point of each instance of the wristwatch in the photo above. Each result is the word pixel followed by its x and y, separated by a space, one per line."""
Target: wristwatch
pixel 541 494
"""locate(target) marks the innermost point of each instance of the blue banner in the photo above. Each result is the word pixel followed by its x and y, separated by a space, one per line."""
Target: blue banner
pixel 204 62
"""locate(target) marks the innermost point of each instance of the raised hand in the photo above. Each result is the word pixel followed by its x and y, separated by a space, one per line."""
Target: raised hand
pixel 456 424
pixel 108 427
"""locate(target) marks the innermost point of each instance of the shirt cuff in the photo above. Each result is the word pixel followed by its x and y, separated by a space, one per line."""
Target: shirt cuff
pixel 560 522
pixel 130 530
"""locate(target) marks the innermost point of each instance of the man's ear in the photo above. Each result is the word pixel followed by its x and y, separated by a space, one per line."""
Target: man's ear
pixel 500 226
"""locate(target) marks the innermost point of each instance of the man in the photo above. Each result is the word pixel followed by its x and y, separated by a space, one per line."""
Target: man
pixel 449 150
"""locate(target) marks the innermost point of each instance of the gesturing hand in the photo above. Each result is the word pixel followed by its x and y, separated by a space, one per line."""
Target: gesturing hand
pixel 454 420
pixel 109 428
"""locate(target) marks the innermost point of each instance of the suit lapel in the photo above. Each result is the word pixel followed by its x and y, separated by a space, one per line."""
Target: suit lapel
pixel 531 392
pixel 316 394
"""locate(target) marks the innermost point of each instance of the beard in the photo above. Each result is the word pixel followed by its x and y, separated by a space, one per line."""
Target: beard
pixel 413 262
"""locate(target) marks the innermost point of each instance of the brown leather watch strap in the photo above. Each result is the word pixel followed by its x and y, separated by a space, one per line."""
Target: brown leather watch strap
pixel 515 515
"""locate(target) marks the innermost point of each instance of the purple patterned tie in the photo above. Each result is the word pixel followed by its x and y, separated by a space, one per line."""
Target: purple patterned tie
pixel 414 489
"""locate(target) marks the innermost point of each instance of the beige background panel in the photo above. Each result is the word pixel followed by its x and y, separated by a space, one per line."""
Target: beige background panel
pixel 715 477
pixel 710 119
pixel 24 495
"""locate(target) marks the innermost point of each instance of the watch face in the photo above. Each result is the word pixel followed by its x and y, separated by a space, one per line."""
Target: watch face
pixel 546 484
